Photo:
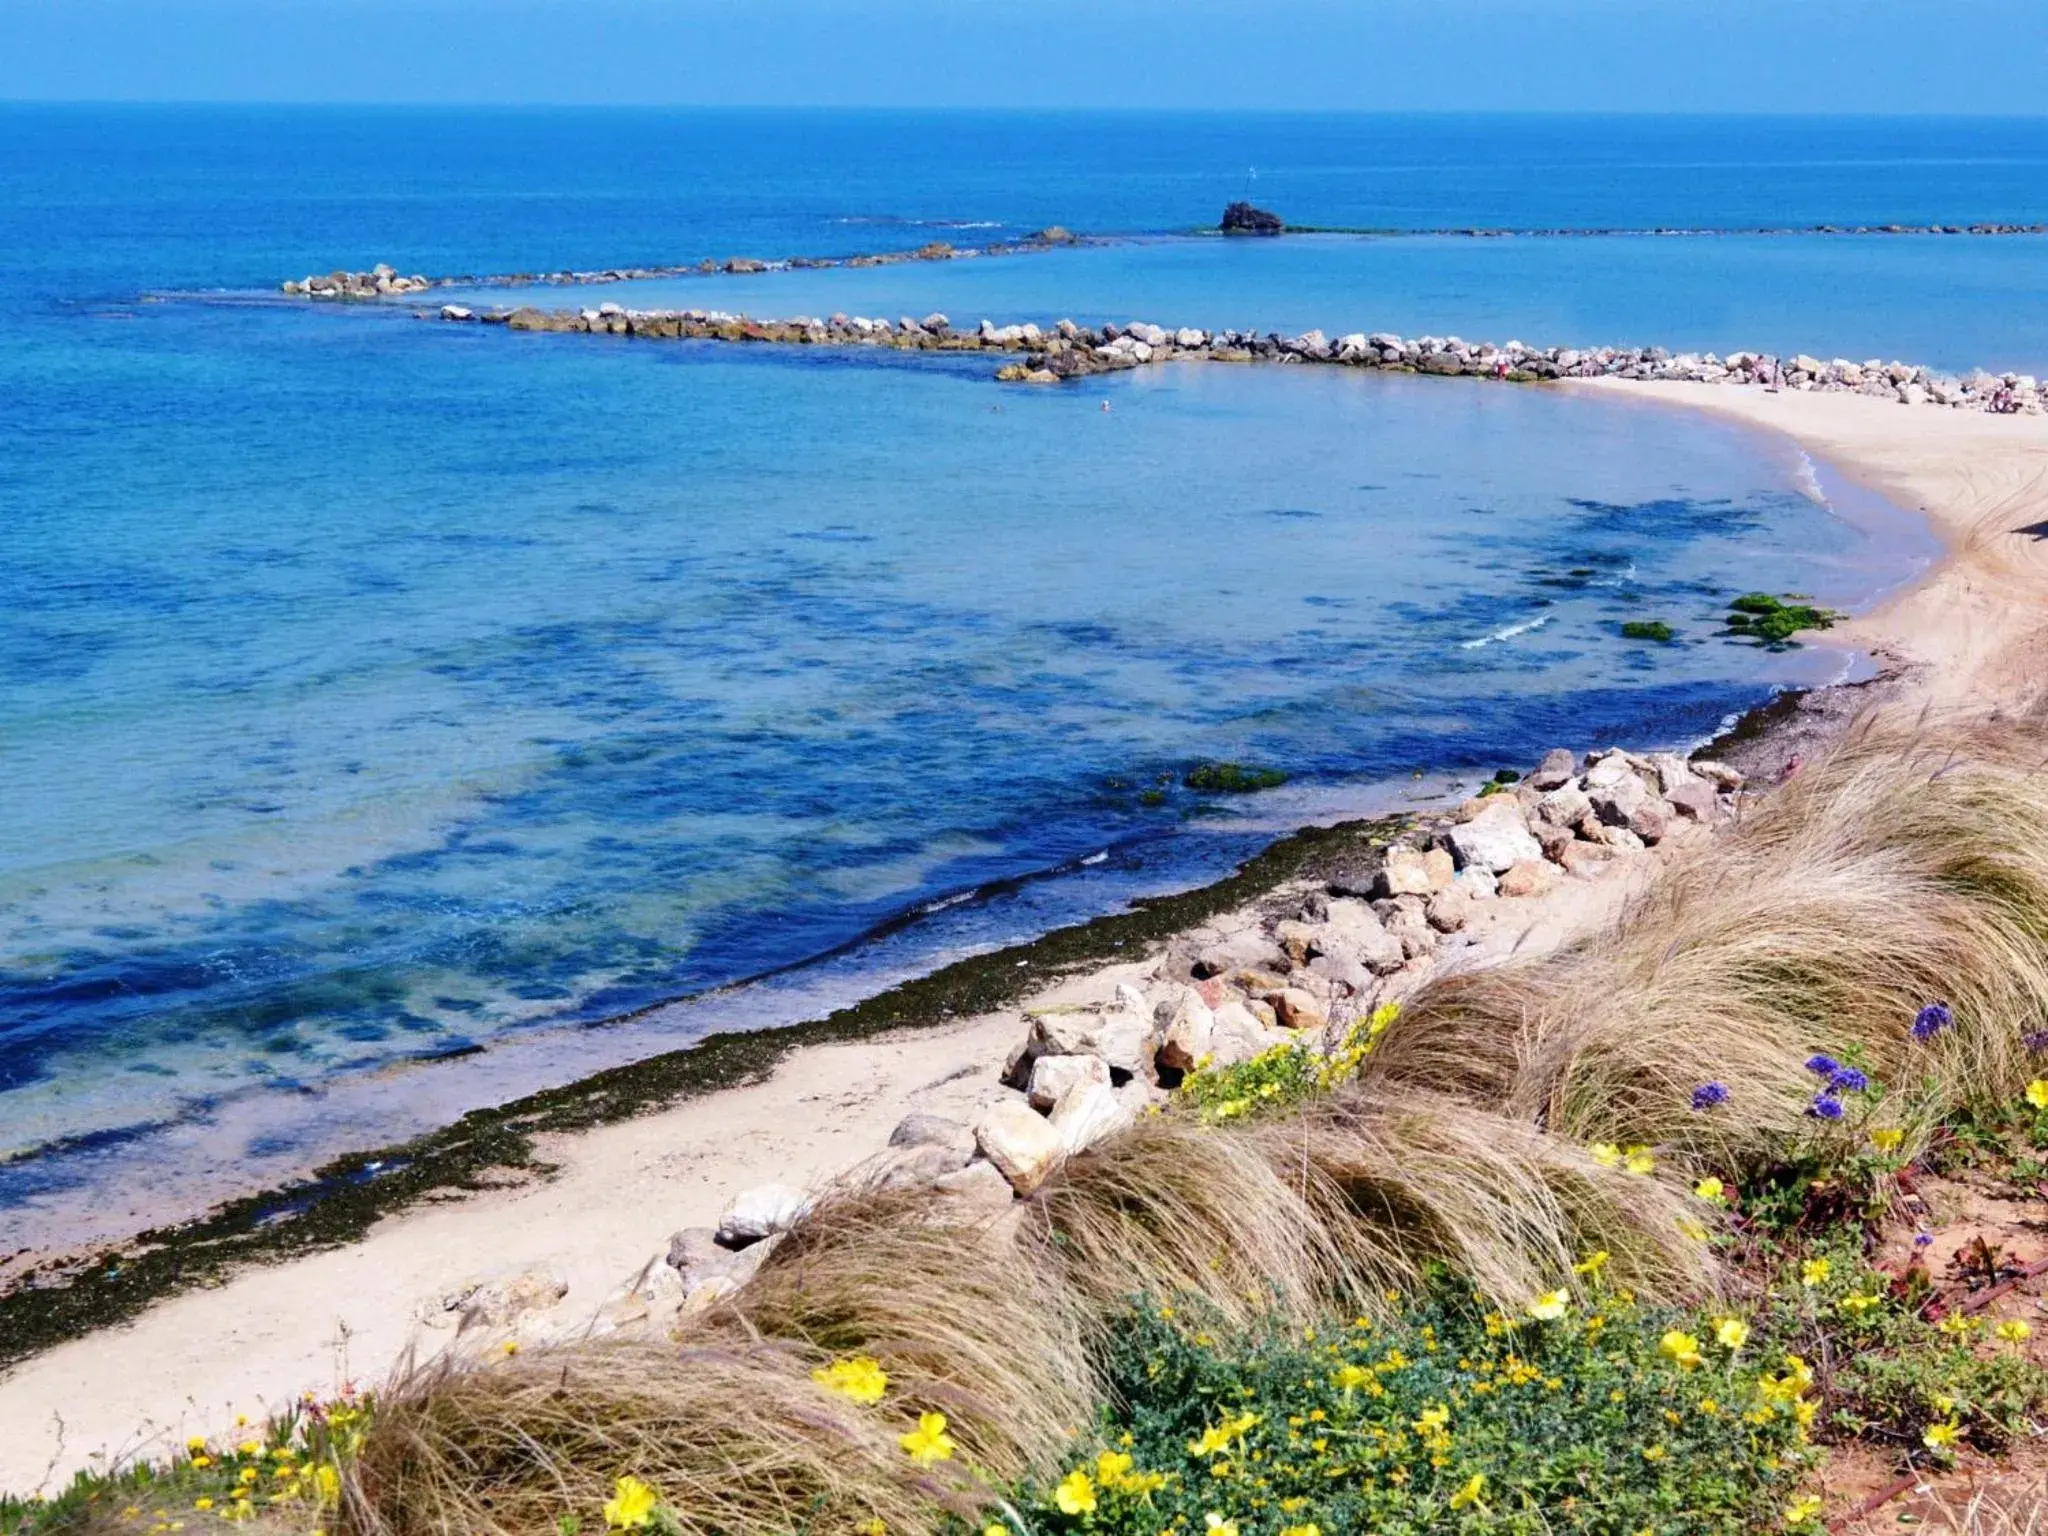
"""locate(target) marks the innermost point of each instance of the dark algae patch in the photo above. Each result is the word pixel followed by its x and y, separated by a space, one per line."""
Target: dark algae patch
pixel 1649 629
pixel 343 1199
pixel 1232 778
pixel 1771 622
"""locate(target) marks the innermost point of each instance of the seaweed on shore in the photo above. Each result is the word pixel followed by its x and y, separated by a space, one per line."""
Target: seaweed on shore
pixel 1771 622
pixel 343 1199
pixel 1649 629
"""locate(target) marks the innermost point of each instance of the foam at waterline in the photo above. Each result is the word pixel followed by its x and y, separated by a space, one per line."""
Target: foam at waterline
pixel 1507 632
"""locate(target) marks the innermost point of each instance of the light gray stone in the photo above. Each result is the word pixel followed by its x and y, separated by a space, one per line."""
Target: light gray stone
pixel 979 1190
pixel 1053 1076
pixel 1496 838
pixel 761 1212
pixel 1555 771
pixel 1020 1142
pixel 922 1130
pixel 1089 1112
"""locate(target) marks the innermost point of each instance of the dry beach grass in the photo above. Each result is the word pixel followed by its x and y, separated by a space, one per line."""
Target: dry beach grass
pixel 1912 864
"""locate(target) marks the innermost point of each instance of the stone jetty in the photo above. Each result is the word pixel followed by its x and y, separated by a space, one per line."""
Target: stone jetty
pixel 1066 351
pixel 383 281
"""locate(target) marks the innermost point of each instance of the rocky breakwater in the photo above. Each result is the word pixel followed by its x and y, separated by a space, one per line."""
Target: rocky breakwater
pixel 364 285
pixel 380 282
pixel 1299 969
pixel 1065 351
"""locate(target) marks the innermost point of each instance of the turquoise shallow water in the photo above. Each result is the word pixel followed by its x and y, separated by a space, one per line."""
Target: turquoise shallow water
pixel 372 691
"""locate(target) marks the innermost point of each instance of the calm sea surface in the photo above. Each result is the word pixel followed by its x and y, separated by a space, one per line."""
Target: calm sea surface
pixel 371 691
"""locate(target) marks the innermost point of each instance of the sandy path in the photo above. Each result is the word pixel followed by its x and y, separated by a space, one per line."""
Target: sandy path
pixel 1979 620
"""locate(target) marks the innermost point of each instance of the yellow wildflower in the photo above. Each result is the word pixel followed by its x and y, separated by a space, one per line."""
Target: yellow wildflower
pixel 1680 1348
pixel 928 1443
pixel 195 1445
pixel 1957 1325
pixel 1592 1263
pixel 1433 1419
pixel 1692 1227
pixel 1550 1306
pixel 2012 1331
pixel 1803 1411
pixel 631 1505
pixel 202 1503
pixel 1112 1468
pixel 1799 1372
pixel 1653 1453
pixel 1606 1154
pixel 1887 1139
pixel 995 1528
pixel 1814 1271
pixel 328 1483
pixel 1710 1188
pixel 1731 1333
pixel 1856 1306
pixel 202 1461
pixel 1075 1494
pixel 1215 1440
pixel 1802 1509
pixel 1217 1525
pixel 1940 1437
pixel 859 1378
pixel 1311 1529
pixel 1639 1160
pixel 873 1526
pixel 1469 1494
pixel 2037 1093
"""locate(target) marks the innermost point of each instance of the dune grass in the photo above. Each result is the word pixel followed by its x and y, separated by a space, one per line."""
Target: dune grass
pixel 1511 1124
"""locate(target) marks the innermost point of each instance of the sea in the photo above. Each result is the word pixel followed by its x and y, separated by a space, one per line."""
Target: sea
pixel 396 717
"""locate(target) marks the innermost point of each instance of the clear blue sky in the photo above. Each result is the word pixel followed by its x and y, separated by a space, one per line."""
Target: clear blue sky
pixel 1890 56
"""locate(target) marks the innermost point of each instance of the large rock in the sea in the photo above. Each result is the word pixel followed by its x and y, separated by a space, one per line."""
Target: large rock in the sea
pixel 1244 219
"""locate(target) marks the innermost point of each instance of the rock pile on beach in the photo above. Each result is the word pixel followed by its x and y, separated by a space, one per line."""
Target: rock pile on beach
pixel 380 282
pixel 1304 966
pixel 1065 351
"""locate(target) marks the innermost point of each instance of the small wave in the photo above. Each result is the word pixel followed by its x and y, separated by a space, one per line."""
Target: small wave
pixel 1806 480
pixel 957 899
pixel 1507 633
pixel 1095 858
pixel 891 221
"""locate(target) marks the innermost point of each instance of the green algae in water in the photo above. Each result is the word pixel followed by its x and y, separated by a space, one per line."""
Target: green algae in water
pixel 1772 621
pixel 1649 629
pixel 1233 778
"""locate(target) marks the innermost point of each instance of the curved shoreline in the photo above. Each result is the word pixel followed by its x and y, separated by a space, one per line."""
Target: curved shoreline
pixel 1966 625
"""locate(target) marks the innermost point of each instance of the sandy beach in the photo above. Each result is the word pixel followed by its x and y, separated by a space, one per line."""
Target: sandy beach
pixel 1971 635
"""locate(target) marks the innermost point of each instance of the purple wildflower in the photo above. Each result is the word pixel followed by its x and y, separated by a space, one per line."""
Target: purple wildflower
pixel 2036 1041
pixel 1823 1066
pixel 1922 1239
pixel 1707 1095
pixel 1825 1106
pixel 1931 1021
pixel 1848 1080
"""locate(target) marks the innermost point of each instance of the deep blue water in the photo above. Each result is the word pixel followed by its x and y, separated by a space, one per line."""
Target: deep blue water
pixel 371 690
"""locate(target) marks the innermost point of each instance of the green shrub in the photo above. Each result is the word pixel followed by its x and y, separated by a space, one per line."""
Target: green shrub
pixel 1614 1420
